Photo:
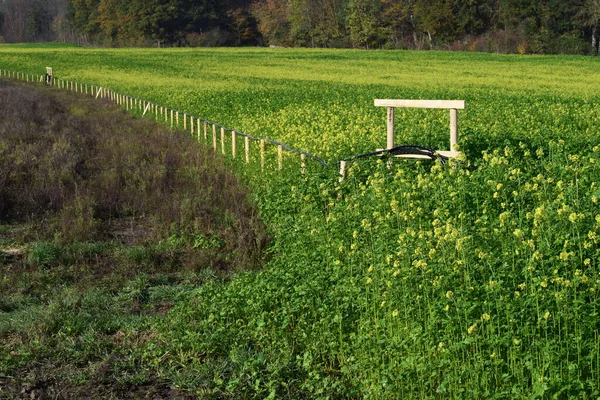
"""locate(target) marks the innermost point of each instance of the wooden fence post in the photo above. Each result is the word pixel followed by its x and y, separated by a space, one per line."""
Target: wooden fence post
pixel 198 127
pixel 177 119
pixel 223 140
pixel 390 127
pixel 302 163
pixel 453 129
pixel 171 119
pixel 146 109
pixel 214 129
pixel 191 125
pixel 206 131
pixel 247 146
pixel 184 121
pixel 233 144
pixel 280 156
pixel 262 154
pixel 342 170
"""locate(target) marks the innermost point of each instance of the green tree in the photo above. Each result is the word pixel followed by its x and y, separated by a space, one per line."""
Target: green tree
pixel 273 21
pixel 316 23
pixel 589 15
pixel 38 22
pixel 83 16
pixel 363 23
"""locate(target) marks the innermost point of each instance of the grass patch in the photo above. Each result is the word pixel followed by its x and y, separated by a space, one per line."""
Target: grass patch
pixel 107 222
pixel 415 281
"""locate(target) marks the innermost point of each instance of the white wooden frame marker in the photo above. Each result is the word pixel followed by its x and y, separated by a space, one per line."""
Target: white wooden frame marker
pixel 452 105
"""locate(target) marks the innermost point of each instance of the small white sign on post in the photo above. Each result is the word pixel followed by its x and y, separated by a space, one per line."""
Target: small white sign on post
pixel 49 76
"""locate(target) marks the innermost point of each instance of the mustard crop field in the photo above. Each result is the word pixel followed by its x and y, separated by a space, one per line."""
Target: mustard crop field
pixel 478 279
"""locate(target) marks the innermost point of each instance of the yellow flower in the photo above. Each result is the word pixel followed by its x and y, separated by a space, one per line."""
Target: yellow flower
pixel 518 233
pixel 516 342
pixel 547 315
pixel 544 284
pixel 369 281
pixel 472 329
pixel 486 317
pixel 395 313
pixel 540 152
pixel 449 294
pixel 573 217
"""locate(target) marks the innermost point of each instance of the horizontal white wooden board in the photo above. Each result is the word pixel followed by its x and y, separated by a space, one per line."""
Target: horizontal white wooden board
pixel 448 104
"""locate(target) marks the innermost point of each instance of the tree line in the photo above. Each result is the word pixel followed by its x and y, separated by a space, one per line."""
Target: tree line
pixel 523 26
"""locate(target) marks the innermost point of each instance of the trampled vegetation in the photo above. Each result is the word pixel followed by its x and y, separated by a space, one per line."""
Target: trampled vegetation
pixel 416 281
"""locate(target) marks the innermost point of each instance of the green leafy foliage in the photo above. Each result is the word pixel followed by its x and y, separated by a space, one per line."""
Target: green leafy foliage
pixel 477 279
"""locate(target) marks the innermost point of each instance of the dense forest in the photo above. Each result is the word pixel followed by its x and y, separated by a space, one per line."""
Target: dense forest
pixel 507 26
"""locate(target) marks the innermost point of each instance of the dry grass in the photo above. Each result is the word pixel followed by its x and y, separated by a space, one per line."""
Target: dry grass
pixel 76 170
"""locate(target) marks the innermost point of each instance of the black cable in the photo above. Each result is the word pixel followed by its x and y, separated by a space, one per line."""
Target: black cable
pixel 414 149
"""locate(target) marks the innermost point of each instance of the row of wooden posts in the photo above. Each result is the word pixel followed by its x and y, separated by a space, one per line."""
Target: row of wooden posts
pixel 197 126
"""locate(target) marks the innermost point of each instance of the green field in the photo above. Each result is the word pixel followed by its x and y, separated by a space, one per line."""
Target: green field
pixel 415 281
pixel 322 101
